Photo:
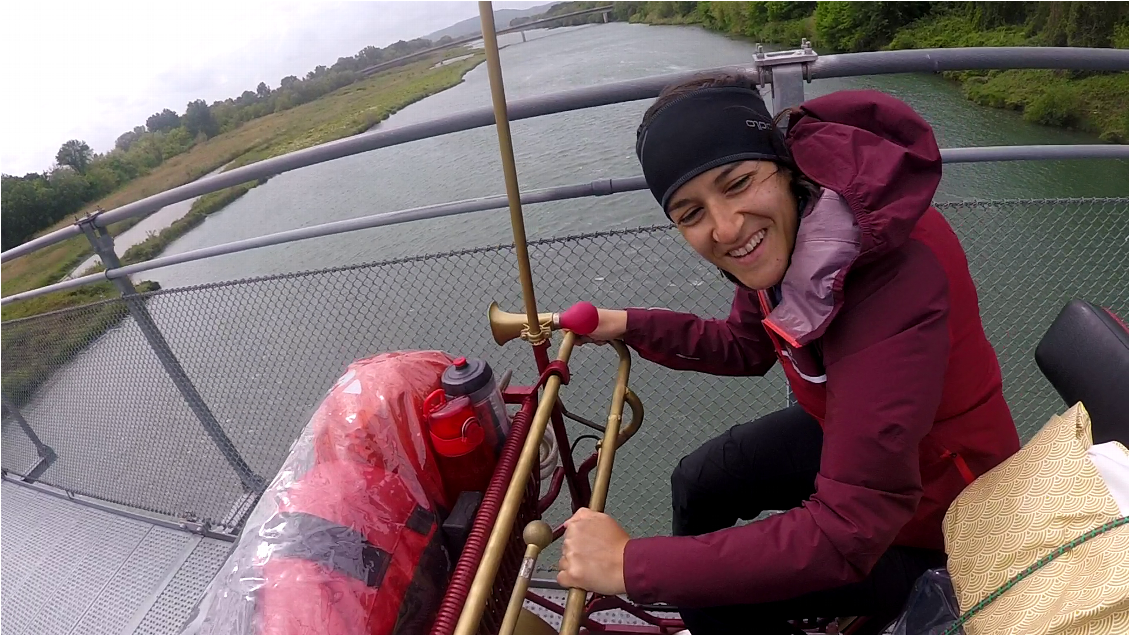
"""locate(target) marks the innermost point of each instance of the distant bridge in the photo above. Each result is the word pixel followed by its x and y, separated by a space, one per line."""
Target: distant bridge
pixel 377 68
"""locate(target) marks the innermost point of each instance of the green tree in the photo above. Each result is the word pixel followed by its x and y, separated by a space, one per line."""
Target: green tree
pixel 780 11
pixel 864 26
pixel 163 121
pixel 76 154
pixel 198 119
pixel 101 179
pixel 128 138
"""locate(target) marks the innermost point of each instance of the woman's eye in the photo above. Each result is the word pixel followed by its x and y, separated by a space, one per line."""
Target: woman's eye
pixel 739 184
pixel 690 217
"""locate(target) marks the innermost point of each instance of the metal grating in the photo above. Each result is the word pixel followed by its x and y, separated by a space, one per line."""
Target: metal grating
pixel 115 604
pixel 92 555
pixel 176 601
pixel 47 533
pixel 70 568
pixel 607 617
pixel 56 554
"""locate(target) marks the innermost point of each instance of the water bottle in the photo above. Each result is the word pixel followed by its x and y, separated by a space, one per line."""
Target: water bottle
pixel 473 378
pixel 466 461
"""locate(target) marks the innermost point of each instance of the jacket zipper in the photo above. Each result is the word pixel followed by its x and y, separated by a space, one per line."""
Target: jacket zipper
pixel 959 462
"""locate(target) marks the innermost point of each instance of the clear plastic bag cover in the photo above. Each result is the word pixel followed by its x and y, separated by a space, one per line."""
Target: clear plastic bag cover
pixel 931 608
pixel 346 537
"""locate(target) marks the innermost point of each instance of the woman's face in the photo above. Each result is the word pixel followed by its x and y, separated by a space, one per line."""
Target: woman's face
pixel 742 217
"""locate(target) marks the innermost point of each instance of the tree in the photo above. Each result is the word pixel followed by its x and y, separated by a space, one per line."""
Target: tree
pixel 126 139
pixel 163 121
pixel 76 154
pixel 864 26
pixel 263 91
pixel 198 119
pixel 101 180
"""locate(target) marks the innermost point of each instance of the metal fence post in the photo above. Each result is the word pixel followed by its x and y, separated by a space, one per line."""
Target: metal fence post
pixel 46 453
pixel 103 245
pixel 787 71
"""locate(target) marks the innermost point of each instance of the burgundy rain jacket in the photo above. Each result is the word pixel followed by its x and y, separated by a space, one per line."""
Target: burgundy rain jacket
pixel 879 333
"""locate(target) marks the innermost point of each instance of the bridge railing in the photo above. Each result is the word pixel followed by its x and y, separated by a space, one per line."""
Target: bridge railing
pixel 846 65
pixel 198 369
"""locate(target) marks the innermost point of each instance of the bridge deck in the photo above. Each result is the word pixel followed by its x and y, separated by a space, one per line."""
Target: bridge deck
pixel 72 569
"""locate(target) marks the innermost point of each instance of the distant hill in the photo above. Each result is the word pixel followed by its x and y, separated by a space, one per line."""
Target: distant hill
pixel 502 18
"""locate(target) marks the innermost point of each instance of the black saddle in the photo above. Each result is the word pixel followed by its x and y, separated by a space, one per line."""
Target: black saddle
pixel 1085 357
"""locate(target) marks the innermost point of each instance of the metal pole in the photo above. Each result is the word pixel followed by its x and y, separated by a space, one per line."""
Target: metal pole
pixel 788 87
pixel 509 171
pixel 46 453
pixel 788 92
pixel 786 72
pixel 103 245
pixel 575 599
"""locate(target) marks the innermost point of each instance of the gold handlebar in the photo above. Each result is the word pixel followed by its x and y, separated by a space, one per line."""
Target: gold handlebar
pixel 575 601
pixel 506 326
pixel 633 401
pixel 499 535
pixel 537 535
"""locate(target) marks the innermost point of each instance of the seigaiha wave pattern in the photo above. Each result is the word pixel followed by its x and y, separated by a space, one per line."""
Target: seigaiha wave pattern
pixel 1046 495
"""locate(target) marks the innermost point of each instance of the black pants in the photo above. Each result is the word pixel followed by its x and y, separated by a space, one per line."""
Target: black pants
pixel 771 464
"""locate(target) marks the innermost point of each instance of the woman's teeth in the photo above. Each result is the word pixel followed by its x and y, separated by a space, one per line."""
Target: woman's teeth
pixel 754 241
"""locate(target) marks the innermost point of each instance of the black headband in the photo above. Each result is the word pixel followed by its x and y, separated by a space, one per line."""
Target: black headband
pixel 702 130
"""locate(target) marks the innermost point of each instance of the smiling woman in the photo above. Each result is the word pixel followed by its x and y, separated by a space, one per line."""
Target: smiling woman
pixel 748 168
pixel 847 275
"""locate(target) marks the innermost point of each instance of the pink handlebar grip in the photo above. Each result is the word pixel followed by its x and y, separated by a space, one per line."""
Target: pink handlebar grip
pixel 582 319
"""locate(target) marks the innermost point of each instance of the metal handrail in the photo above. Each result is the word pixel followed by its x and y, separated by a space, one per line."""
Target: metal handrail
pixel 599 187
pixel 844 65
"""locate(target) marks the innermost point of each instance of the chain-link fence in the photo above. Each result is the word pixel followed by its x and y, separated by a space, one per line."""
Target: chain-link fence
pixel 261 352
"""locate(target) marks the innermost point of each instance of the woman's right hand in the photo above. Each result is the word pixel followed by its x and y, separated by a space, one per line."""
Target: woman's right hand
pixel 611 326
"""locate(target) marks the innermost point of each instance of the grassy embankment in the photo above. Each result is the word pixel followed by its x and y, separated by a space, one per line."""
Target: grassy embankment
pixel 36 349
pixel 348 111
pixel 1092 103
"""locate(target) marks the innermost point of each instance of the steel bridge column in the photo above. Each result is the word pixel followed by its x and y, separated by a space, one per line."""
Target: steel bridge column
pixel 45 452
pixel 103 245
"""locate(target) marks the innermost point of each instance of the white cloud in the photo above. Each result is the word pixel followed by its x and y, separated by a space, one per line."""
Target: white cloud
pixel 93 70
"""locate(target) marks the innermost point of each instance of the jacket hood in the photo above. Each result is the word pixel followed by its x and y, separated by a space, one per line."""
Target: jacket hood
pixel 878 165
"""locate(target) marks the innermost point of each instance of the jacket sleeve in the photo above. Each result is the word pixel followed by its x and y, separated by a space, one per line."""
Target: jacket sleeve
pixel 737 346
pixel 885 358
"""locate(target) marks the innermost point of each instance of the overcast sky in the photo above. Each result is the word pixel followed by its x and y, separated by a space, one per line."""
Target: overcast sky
pixel 93 70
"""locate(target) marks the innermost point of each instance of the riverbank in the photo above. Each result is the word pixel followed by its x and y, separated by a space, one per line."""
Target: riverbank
pixel 1095 103
pixel 348 111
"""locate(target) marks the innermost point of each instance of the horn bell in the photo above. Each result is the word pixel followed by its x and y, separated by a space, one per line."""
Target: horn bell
pixel 506 326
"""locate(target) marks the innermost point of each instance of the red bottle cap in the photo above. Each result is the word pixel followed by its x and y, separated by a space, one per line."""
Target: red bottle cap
pixel 452 425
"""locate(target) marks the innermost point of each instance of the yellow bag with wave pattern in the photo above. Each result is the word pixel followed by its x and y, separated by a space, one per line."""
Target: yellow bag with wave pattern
pixel 1046 495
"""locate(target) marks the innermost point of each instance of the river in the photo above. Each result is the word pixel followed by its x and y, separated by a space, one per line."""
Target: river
pixel 263 354
pixel 573 148
pixel 148 226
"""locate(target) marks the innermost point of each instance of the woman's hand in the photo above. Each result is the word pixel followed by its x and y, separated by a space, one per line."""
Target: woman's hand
pixel 592 555
pixel 613 323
